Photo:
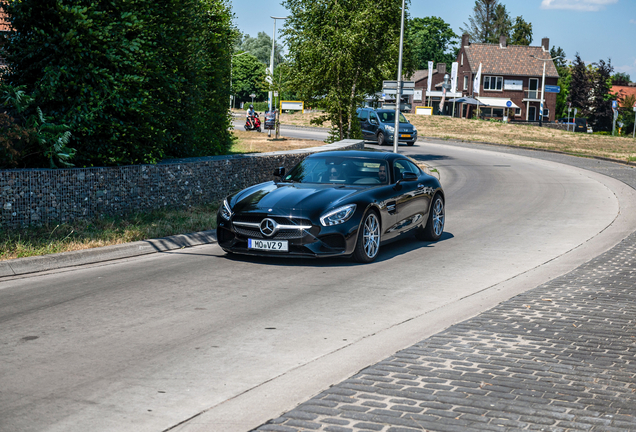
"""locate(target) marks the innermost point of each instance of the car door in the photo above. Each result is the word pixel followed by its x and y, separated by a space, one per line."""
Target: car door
pixel 365 126
pixel 412 198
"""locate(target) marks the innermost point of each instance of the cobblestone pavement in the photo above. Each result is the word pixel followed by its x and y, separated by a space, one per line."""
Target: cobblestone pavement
pixel 560 357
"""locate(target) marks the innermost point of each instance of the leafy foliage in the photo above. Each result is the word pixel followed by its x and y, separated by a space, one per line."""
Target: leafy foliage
pixel 565 78
pixel 580 87
pixel 490 20
pixel 431 39
pixel 521 32
pixel 135 81
pixel 29 138
pixel 260 47
pixel 601 97
pixel 248 77
pixel 621 79
pixel 340 51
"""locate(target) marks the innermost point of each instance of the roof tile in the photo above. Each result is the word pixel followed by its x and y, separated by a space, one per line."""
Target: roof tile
pixel 510 60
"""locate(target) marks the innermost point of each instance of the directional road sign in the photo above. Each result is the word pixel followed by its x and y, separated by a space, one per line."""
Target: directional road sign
pixel 552 89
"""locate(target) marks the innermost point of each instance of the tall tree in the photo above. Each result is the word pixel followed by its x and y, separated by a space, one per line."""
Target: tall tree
pixel 490 20
pixel 261 48
pixel 248 77
pixel 601 102
pixel 565 78
pixel 521 32
pixel 481 24
pixel 431 39
pixel 580 87
pixel 340 51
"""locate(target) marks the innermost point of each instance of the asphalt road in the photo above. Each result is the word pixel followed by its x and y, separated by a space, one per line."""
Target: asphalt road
pixel 195 340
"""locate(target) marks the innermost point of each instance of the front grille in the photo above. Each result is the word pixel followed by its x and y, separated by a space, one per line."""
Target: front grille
pixel 282 220
pixel 283 234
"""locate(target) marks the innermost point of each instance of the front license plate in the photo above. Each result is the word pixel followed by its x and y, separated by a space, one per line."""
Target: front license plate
pixel 405 136
pixel 268 245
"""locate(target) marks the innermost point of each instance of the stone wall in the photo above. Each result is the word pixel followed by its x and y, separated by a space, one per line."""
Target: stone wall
pixel 36 196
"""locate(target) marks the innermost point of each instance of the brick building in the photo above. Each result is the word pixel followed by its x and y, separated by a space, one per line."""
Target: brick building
pixel 511 79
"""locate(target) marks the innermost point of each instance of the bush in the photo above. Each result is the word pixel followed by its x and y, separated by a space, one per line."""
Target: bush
pixel 135 81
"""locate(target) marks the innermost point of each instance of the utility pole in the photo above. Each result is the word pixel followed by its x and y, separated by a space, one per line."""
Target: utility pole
pixel 398 96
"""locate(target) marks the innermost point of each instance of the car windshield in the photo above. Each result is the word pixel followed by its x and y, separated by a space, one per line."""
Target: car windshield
pixel 339 170
pixel 389 117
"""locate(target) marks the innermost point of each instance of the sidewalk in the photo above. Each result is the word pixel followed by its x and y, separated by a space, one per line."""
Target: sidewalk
pixel 560 357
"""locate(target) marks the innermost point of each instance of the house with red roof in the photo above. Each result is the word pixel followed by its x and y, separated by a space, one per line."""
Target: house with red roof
pixel 623 92
pixel 510 83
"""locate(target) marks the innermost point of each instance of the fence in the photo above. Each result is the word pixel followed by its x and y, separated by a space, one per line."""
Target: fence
pixel 37 196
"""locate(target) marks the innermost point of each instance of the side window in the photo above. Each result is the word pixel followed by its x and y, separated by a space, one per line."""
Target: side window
pixel 363 115
pixel 401 166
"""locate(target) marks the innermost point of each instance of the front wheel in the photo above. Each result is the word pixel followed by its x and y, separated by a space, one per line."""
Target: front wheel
pixel 368 243
pixel 380 138
pixel 435 222
pixel 259 129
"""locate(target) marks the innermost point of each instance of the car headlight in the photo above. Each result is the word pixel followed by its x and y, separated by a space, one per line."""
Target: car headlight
pixel 389 128
pixel 226 212
pixel 338 216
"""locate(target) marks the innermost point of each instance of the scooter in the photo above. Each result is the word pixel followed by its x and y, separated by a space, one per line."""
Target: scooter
pixel 256 126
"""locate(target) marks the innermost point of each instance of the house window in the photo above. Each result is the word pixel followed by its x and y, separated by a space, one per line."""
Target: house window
pixel 517 111
pixel 546 112
pixel 465 82
pixel 533 88
pixel 463 61
pixel 493 83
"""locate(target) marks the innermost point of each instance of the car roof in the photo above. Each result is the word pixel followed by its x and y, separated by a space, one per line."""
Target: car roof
pixel 359 154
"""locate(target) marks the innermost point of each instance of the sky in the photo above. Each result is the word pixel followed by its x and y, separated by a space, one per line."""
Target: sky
pixel 596 29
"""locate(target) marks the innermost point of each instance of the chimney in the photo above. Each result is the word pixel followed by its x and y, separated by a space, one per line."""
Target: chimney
pixel 441 68
pixel 545 43
pixel 465 39
pixel 502 41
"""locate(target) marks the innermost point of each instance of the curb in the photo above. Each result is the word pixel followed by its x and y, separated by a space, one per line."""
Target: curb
pixel 442 140
pixel 22 266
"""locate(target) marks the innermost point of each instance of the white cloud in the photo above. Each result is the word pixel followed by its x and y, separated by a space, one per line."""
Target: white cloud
pixel 632 21
pixel 578 5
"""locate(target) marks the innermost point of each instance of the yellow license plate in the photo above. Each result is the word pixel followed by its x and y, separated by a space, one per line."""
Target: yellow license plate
pixel 405 136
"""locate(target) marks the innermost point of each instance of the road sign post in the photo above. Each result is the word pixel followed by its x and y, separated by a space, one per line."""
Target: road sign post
pixel 615 109
pixel 574 121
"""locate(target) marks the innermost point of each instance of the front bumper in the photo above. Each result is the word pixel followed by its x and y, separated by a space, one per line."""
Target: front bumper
pixel 317 241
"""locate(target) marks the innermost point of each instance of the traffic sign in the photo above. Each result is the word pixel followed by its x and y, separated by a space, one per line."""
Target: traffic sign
pixel 509 104
pixel 552 89
pixel 389 84
pixel 614 104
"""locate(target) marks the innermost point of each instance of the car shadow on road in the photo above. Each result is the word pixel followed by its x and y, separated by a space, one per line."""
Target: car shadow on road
pixel 389 251
pixel 429 157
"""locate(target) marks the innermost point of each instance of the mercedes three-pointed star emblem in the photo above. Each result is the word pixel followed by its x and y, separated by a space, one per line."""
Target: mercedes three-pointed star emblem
pixel 268 227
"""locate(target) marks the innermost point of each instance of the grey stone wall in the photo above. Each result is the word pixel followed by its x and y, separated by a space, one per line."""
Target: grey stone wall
pixel 36 196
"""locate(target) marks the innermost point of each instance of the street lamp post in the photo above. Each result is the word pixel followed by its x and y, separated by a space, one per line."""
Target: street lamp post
pixel 271 62
pixel 398 96
pixel 543 86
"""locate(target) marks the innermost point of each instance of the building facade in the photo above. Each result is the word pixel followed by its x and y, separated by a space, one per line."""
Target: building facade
pixel 510 85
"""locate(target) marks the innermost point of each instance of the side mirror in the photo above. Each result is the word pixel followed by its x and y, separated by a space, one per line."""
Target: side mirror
pixel 279 172
pixel 409 176
pixel 373 121
pixel 406 177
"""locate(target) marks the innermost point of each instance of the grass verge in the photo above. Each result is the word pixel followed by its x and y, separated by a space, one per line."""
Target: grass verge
pixel 48 239
pixel 106 231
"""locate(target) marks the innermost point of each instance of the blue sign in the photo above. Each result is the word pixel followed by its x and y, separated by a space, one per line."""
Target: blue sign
pixel 509 104
pixel 552 89
pixel 614 104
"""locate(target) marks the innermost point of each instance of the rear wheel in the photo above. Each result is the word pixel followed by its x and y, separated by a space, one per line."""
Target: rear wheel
pixel 380 138
pixel 368 243
pixel 435 222
pixel 259 129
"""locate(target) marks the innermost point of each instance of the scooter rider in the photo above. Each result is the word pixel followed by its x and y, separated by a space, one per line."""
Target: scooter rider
pixel 250 116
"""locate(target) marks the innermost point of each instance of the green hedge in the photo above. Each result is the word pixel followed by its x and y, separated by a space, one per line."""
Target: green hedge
pixel 135 81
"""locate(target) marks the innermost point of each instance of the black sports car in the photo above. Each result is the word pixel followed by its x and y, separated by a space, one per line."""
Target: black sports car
pixel 332 204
